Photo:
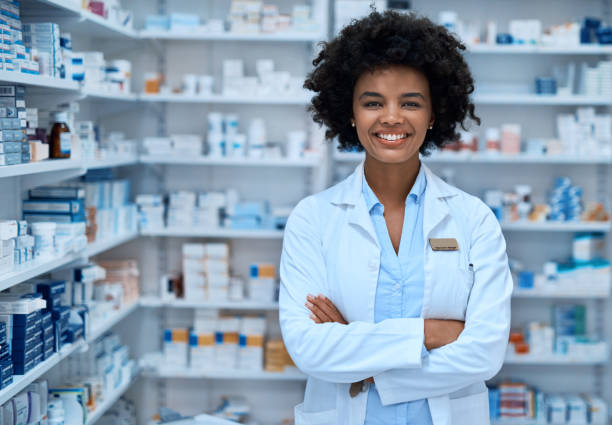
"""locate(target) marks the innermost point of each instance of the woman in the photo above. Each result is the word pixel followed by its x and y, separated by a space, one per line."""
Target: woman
pixel 395 287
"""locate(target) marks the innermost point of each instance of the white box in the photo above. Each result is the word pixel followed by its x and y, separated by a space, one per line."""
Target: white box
pixel 8 229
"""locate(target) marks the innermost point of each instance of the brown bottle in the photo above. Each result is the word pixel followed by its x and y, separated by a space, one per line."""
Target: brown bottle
pixel 60 137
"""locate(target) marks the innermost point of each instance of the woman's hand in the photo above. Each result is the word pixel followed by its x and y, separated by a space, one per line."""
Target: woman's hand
pixel 323 310
pixel 441 332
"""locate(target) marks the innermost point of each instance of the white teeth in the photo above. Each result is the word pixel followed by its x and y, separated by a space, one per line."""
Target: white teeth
pixel 391 137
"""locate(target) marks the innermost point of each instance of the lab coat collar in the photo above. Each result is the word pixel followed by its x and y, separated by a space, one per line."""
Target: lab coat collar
pixel 350 195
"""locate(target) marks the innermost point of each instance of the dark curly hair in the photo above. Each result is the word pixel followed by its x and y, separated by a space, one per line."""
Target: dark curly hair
pixel 381 40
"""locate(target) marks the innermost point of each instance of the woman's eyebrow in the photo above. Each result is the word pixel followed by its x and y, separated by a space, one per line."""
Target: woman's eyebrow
pixel 370 94
pixel 413 94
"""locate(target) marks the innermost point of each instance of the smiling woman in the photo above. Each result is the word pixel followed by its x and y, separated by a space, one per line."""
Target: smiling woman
pixel 395 287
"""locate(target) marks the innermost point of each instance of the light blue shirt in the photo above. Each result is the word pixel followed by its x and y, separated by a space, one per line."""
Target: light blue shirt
pixel 399 292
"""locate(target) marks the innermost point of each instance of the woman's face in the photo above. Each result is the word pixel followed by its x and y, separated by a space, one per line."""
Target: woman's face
pixel 392 112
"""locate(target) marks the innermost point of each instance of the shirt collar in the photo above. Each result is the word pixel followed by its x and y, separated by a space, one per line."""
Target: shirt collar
pixel 416 193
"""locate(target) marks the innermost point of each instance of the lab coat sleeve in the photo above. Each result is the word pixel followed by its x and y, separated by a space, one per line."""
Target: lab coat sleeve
pixel 478 353
pixel 331 351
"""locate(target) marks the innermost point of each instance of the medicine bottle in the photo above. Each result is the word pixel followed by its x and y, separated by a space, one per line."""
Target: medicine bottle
pixel 60 137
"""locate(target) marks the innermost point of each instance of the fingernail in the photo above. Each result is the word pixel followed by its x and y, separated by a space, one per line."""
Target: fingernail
pixel 312 316
pixel 308 305
pixel 309 297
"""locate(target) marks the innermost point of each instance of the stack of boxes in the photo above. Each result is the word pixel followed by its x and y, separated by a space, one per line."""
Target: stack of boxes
pixel 6 362
pixel 202 340
pixel 24 332
pixel 565 201
pixel 87 136
pixel 217 343
pixel 120 286
pixel 206 271
pixel 150 212
pixel 276 356
pixel 8 236
pixel 44 39
pixel 14 145
pixel 16 56
pixel 181 206
pixel 176 347
pixel 109 211
pixel 262 283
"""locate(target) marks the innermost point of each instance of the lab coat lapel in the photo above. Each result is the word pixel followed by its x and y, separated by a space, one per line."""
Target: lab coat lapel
pixel 436 208
pixel 358 215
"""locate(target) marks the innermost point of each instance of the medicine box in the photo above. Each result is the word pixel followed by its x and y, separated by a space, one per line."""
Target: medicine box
pixel 52 192
pixel 176 346
pixel 74 207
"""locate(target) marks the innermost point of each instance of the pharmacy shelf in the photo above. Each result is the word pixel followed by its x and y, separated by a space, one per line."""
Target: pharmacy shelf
pixel 31 80
pixel 535 99
pixel 34 268
pixel 522 158
pixel 554 226
pixel 234 162
pixel 310 37
pixel 303 99
pixel 106 324
pixel 22 381
pixel 109 401
pixel 104 244
pixel 584 49
pixel 553 293
pixel 107 95
pixel 51 165
pixel 186 373
pixel 484 158
pixel 74 19
pixel 215 305
pixel 529 359
pixel 523 422
pixel 111 162
pixel 213 233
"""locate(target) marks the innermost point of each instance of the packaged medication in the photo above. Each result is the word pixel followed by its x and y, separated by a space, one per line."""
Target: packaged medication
pixel 226 342
pixel 251 343
pixel 262 282
pixel 176 347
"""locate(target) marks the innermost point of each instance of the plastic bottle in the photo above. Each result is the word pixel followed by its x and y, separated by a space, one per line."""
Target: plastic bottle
pixel 60 137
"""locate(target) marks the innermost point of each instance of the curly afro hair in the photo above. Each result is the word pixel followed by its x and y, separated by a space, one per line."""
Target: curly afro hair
pixel 385 39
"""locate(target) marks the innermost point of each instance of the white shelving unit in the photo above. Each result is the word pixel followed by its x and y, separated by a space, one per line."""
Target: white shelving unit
pixel 246 305
pixel 562 226
pixel 98 246
pixel 220 99
pixel 30 80
pixel 111 320
pixel 282 37
pixel 536 99
pixel 214 233
pixel 553 293
pixel 483 158
pixel 109 400
pixel 22 381
pixel 535 360
pixel 48 166
pixel 499 49
pixel 233 162
pixel 168 373
pixel 35 268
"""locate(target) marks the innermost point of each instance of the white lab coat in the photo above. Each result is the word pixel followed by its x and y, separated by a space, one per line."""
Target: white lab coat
pixel 330 247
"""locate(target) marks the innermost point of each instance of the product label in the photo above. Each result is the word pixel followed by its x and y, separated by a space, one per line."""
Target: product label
pixel 65 143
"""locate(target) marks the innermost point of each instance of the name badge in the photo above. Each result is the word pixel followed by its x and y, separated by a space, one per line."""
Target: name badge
pixel 444 244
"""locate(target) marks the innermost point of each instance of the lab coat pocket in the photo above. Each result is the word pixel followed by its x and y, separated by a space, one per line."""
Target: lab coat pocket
pixel 326 417
pixel 470 410
pixel 450 291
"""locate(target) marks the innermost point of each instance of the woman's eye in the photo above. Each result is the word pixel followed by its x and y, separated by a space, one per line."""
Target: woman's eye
pixel 372 104
pixel 411 105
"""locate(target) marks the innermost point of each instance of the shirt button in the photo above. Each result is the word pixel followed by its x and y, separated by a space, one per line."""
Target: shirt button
pixel 397 285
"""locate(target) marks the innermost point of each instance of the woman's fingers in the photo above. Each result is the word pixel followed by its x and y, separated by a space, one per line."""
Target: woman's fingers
pixel 331 310
pixel 318 312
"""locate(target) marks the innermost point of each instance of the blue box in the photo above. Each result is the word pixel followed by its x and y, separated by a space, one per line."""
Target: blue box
pixel 23 368
pixel 25 344
pixel 6 382
pixel 49 351
pixel 51 288
pixel 56 218
pixel 46 318
pixel 57 193
pixel 74 333
pixel 24 320
pixel 20 332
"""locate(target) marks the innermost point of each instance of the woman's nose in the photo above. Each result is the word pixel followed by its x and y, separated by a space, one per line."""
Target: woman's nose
pixel 390 116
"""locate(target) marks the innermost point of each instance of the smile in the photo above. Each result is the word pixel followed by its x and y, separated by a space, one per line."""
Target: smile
pixel 391 137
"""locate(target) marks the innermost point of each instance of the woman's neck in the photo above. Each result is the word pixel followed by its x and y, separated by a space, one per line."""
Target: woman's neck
pixel 391 182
